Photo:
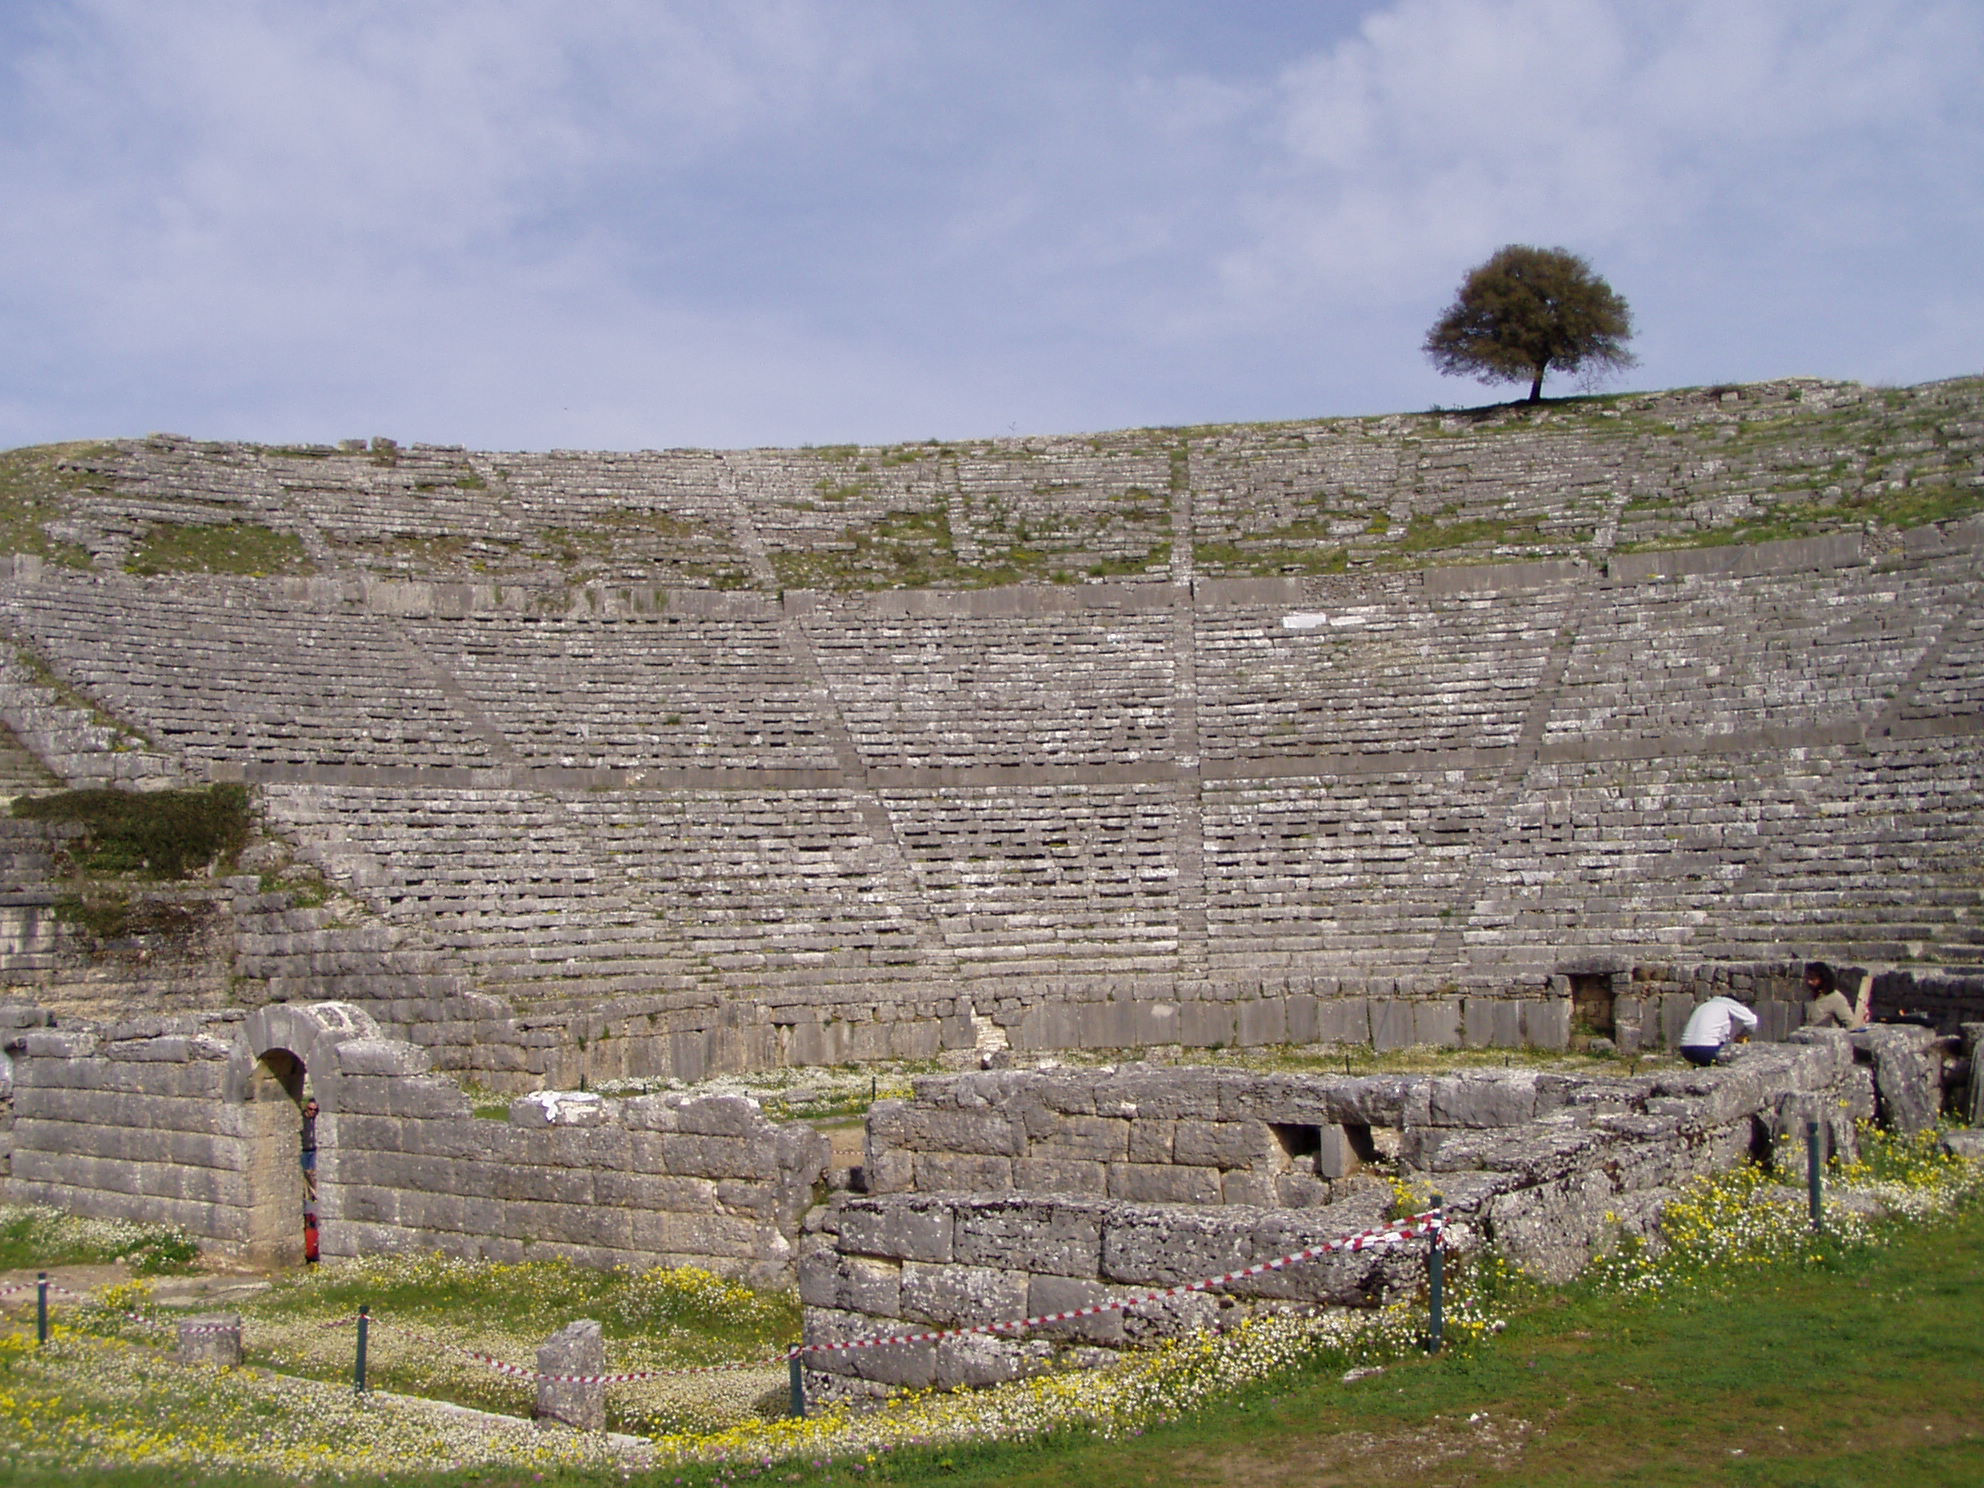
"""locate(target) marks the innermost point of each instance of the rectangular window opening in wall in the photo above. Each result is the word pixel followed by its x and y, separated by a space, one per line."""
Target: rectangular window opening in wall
pixel 1363 1144
pixel 1297 1140
pixel 1592 1000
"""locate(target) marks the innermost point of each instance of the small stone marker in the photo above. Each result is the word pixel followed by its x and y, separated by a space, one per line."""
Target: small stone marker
pixel 212 1338
pixel 576 1348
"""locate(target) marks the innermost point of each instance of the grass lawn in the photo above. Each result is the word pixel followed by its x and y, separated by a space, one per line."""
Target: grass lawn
pixel 1867 1369
pixel 1794 1363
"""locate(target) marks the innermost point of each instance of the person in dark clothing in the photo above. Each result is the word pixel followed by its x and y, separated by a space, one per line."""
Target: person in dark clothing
pixel 307 1152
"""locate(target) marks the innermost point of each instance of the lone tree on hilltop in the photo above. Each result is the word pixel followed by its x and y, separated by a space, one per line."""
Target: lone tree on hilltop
pixel 1526 311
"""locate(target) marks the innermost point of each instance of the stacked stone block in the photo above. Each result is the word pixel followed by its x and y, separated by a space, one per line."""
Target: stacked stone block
pixel 170 1121
pixel 637 693
pixel 1091 687
pixel 236 672
pixel 723 824
pixel 1392 674
pixel 133 1121
pixel 999 1196
pixel 645 1181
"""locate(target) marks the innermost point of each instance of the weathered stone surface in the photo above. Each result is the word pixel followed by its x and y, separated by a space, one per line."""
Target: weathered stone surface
pixel 1162 1246
pixel 895 1228
pixel 1550 1168
pixel 1163 1183
pixel 1052 1237
pixel 849 1283
pixel 1907 1082
pixel 1973 1048
pixel 937 1172
pixel 1048 1294
pixel 1222 1144
pixel 1049 1175
pixel 952 1294
pixel 577 1349
pixel 1968 1143
pixel 210 1338
pixel 376 1056
pixel 1477 1100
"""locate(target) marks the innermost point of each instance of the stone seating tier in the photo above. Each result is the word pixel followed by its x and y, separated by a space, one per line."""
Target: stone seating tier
pixel 750 822
pixel 1572 478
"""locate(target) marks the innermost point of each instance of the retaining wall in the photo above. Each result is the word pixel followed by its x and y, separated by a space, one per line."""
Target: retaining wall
pixel 1008 1194
pixel 195 1122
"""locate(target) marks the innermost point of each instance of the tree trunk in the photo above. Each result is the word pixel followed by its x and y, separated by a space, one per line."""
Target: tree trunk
pixel 1536 387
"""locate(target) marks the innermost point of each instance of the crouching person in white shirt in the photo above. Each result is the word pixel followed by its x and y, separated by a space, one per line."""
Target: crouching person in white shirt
pixel 1711 1026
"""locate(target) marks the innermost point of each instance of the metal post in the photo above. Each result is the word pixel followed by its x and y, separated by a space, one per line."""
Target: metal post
pixel 798 1387
pixel 364 1326
pixel 40 1309
pixel 1814 1175
pixel 1436 1279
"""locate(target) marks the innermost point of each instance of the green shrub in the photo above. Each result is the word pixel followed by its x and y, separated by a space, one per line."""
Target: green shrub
pixel 164 834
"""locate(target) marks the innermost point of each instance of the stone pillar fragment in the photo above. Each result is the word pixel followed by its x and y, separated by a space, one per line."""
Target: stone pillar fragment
pixel 211 1338
pixel 1973 1045
pixel 1907 1075
pixel 576 1349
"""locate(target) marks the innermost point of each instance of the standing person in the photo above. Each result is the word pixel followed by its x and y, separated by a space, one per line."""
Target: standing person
pixel 1828 1007
pixel 307 1152
pixel 1710 1027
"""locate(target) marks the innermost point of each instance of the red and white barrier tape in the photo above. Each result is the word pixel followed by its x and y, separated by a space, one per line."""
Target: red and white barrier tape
pixel 57 1290
pixel 1429 1224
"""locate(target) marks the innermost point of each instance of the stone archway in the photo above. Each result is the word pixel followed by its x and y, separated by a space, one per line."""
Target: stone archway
pixel 283 1045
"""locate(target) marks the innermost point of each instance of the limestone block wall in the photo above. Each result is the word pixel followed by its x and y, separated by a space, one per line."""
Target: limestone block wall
pixel 657 1180
pixel 143 1120
pixel 15 1021
pixel 1006 1194
pixel 704 690
pixel 1065 678
pixel 195 1122
pixel 1392 669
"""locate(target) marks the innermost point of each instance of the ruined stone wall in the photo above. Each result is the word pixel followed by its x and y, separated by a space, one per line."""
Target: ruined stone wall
pixel 195 1122
pixel 140 1121
pixel 1006 1194
pixel 655 1180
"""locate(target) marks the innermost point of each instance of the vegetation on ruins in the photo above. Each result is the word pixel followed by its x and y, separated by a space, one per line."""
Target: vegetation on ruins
pixel 34 489
pixel 656 1319
pixel 1527 312
pixel 164 834
pixel 251 548
pixel 1689 467
pixel 34 1235
pixel 43 674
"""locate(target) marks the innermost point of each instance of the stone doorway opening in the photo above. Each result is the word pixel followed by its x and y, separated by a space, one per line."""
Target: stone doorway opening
pixel 1593 1004
pixel 278 1194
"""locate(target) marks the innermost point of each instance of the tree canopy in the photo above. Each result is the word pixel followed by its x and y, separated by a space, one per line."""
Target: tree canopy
pixel 1528 311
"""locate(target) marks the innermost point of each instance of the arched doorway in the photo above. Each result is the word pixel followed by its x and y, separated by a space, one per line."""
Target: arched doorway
pixel 284 1048
pixel 276 1190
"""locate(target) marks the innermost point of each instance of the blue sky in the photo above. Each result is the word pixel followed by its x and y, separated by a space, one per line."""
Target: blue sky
pixel 639 223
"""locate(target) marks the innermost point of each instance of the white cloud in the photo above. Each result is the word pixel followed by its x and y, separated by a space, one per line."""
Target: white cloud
pixel 780 220
pixel 1447 127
